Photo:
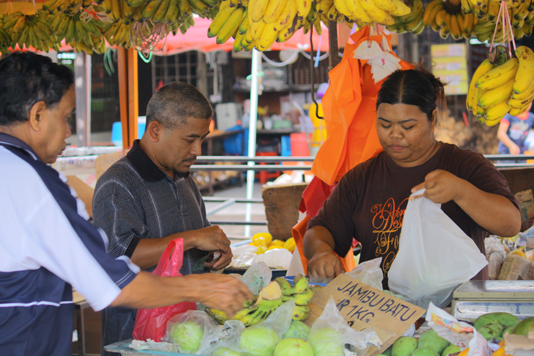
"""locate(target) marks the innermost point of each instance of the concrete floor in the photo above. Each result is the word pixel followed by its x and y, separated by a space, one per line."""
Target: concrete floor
pixel 237 211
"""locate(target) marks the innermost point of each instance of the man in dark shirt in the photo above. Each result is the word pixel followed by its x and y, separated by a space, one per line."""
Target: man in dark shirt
pixel 148 198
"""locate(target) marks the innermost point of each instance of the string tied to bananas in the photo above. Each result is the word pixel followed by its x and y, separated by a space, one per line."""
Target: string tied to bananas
pixel 145 35
pixel 507 30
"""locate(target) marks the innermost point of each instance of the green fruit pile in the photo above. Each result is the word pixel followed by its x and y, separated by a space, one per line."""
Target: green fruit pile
pixel 429 344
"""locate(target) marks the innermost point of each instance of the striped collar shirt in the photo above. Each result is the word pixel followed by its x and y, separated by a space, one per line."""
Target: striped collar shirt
pixel 135 200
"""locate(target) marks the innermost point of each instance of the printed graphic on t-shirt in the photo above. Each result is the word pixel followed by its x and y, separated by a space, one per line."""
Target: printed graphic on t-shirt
pixel 387 224
pixel 519 130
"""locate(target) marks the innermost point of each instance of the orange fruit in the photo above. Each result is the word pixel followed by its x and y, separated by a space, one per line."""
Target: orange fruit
pixel 464 352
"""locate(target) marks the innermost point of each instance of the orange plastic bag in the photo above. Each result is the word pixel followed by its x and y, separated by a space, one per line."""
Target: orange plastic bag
pixel 347 262
pixel 349 107
pixel 152 323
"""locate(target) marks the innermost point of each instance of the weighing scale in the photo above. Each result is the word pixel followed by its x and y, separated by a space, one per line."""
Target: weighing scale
pixel 474 298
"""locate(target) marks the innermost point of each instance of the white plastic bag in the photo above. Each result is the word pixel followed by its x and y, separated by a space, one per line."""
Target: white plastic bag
pixel 369 272
pixel 434 257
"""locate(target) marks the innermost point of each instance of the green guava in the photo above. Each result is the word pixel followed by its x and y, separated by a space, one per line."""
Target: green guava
pixel 225 351
pixel 327 342
pixel 451 349
pixel 404 346
pixel 187 335
pixel 293 347
pixel 259 341
pixel 424 352
pixel 431 340
pixel 298 330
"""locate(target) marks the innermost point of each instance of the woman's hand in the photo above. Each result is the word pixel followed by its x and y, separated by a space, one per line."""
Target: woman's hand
pixel 441 186
pixel 324 267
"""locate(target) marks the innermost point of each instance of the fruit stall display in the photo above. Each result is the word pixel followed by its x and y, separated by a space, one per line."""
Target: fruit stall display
pixel 492 326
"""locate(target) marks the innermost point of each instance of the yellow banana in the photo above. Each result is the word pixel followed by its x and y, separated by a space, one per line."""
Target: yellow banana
pixel 173 12
pixel 518 104
pixel 185 8
pixel 472 93
pixel 324 5
pixel 159 16
pixel 285 34
pixel 220 19
pixel 19 26
pixel 387 5
pixel 256 28
pixel 496 112
pixel 256 9
pixel 431 10
pixel 355 9
pixel 496 95
pixel 274 10
pixel 525 71
pixel 400 8
pixel 268 36
pixel 516 112
pixel 377 14
pixel 466 7
pixel 303 7
pixel 416 12
pixel 440 18
pixel 499 75
pixel 455 27
pixel 231 25
pixel 245 23
pixel 286 17
pixel 150 9
pixel 238 39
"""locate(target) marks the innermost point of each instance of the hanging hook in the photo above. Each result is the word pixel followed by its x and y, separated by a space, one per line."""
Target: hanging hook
pixel 312 69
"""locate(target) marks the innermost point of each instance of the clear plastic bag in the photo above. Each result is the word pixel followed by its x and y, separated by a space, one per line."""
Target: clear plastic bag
pixel 261 339
pixel 434 257
pixel 227 339
pixel 194 331
pixel 257 277
pixel 369 272
pixel 330 333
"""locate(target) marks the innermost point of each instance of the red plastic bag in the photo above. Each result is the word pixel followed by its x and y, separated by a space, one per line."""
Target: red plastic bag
pixel 152 323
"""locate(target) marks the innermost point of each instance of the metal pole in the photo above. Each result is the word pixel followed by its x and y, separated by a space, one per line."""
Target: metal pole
pixel 256 57
pixel 82 69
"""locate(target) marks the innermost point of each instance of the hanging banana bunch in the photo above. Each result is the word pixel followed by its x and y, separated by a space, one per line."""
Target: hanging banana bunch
pixel 412 22
pixel 502 86
pixel 449 18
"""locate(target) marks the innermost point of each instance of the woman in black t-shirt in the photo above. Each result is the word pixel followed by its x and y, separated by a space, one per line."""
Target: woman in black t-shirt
pixel 368 203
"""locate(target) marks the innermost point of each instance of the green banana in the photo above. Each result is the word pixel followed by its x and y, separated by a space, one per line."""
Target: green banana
pixel 300 283
pixel 301 312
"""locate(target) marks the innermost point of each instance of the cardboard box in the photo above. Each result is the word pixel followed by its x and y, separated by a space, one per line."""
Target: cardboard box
pixel 363 306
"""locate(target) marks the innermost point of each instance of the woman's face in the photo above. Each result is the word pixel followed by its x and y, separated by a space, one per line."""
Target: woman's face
pixel 405 133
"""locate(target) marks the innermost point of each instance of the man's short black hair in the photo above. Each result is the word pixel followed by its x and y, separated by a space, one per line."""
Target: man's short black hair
pixel 176 102
pixel 25 79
